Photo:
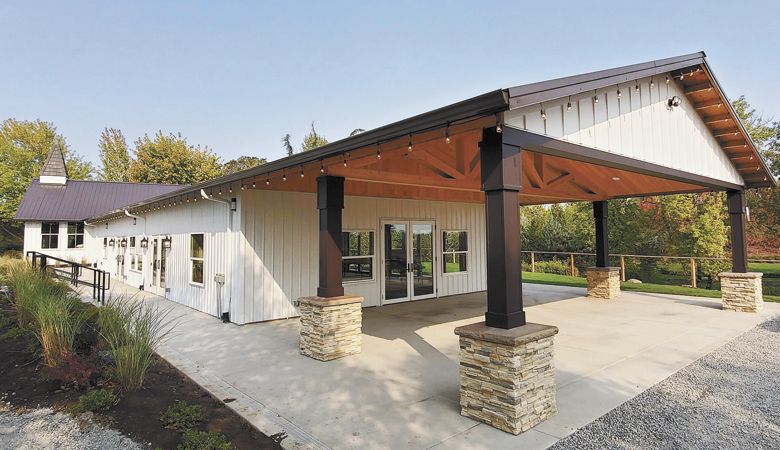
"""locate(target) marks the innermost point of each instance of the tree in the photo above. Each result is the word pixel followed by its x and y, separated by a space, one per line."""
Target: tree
pixel 114 156
pixel 312 140
pixel 169 158
pixel 242 163
pixel 24 146
pixel 287 145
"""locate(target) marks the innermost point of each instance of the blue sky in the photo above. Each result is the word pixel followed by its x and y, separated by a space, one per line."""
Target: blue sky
pixel 237 76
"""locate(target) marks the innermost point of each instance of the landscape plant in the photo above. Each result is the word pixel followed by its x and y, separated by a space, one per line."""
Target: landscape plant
pixel 58 320
pixel 95 400
pixel 204 440
pixel 133 330
pixel 183 416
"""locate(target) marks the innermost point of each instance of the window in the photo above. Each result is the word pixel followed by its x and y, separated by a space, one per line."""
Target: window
pixel 455 251
pixel 132 241
pixel 196 258
pixel 75 234
pixel 50 234
pixel 357 249
pixel 136 256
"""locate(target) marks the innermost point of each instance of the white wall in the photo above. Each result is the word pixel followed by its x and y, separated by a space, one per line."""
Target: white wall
pixel 638 125
pixel 32 242
pixel 179 222
pixel 279 248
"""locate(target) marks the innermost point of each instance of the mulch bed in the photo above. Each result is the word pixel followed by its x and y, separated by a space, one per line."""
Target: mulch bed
pixel 25 383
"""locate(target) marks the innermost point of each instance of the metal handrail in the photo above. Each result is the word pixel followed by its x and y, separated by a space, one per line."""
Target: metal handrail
pixel 101 279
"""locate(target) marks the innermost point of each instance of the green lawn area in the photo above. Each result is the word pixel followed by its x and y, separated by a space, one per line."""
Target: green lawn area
pixel 565 280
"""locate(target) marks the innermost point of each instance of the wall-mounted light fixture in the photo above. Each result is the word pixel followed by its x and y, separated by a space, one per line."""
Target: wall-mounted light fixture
pixel 233 204
pixel 134 219
pixel 674 102
pixel 123 242
pixel 111 242
pixel 166 242
pixel 144 242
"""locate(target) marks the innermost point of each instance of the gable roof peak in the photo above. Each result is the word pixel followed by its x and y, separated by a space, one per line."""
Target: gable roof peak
pixel 54 170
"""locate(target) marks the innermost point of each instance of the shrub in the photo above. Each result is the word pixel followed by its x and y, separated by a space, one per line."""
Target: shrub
pixel 204 440
pixel 57 321
pixel 555 266
pixel 74 369
pixel 132 331
pixel 183 416
pixel 29 286
pixel 12 254
pixel 95 400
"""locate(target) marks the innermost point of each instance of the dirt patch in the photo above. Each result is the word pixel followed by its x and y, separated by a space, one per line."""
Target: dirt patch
pixel 26 383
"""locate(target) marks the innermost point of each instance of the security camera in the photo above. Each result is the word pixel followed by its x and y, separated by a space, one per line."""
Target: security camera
pixel 674 102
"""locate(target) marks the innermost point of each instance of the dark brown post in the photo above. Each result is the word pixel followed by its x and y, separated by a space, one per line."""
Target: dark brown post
pixel 501 183
pixel 330 202
pixel 738 219
pixel 602 241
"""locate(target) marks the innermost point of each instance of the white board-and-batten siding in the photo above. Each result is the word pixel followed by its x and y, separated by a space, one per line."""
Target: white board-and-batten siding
pixel 209 218
pixel 278 245
pixel 638 125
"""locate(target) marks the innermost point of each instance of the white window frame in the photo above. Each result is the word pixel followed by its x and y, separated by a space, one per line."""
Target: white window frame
pixel 372 256
pixel 202 260
pixel 135 252
pixel 466 252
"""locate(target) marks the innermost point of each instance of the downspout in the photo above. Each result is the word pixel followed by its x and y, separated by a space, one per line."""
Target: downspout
pixel 229 270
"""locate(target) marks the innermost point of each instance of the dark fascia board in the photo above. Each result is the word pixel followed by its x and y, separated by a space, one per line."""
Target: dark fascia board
pixel 482 105
pixel 530 94
pixel 556 147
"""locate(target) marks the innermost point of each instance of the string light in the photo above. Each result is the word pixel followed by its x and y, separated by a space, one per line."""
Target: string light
pixel 636 87
pixel 230 189
pixel 652 83
pixel 242 186
pixel 619 94
pixel 499 128
pixel 568 104
pixel 595 97
pixel 220 191
pixel 410 142
pixel 253 184
pixel 378 152
pixel 267 181
pixel 542 113
pixel 682 75
pixel 284 177
pixel 667 79
pixel 447 133
pixel 322 167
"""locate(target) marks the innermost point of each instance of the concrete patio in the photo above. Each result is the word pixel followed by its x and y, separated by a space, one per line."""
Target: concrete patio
pixel 402 390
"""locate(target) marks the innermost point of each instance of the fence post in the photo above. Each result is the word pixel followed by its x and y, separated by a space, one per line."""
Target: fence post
pixel 572 263
pixel 693 272
pixel 622 268
pixel 533 262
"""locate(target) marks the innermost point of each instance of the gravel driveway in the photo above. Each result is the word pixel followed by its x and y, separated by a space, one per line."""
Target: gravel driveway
pixel 728 399
pixel 43 429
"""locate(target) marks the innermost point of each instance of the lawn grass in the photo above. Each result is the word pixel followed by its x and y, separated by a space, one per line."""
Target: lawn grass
pixel 566 280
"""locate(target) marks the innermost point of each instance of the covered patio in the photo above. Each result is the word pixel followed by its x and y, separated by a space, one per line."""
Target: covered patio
pixel 402 391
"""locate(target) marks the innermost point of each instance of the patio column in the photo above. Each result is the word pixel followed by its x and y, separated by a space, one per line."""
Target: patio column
pixel 331 322
pixel 603 281
pixel 501 166
pixel 330 202
pixel 506 365
pixel 740 290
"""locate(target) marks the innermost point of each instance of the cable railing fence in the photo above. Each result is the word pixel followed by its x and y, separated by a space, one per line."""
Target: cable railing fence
pixel 690 271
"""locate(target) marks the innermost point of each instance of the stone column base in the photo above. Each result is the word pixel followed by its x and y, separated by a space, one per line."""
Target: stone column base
pixel 507 378
pixel 331 327
pixel 603 282
pixel 741 291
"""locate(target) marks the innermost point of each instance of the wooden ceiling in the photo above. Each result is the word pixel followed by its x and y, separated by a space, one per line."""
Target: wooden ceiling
pixel 724 125
pixel 434 169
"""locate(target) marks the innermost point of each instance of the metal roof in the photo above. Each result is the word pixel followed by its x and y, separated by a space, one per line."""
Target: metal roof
pixel 491 103
pixel 80 200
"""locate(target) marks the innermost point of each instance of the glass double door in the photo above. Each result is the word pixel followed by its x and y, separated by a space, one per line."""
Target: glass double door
pixel 408 261
pixel 157 281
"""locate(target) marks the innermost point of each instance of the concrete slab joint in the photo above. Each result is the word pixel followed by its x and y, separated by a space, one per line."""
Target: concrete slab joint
pixel 741 291
pixel 507 377
pixel 332 327
pixel 603 282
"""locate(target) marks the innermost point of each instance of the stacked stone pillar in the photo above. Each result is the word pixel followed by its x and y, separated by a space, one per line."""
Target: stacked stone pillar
pixel 331 328
pixel 741 291
pixel 603 282
pixel 507 377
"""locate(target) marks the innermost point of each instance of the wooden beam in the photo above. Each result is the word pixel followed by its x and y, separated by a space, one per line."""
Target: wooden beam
pixel 732 131
pixel 436 163
pixel 560 179
pixel 720 118
pixel 714 103
pixel 699 87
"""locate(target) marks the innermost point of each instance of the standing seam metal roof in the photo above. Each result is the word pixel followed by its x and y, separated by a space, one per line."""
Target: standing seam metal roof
pixel 79 200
